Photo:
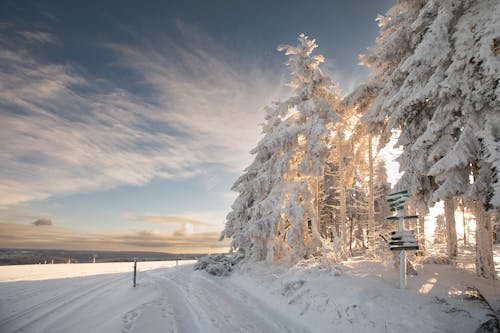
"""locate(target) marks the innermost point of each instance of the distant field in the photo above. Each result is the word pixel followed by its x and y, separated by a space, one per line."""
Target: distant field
pixel 58 271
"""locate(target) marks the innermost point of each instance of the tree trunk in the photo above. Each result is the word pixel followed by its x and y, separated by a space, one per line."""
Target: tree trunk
pixel 343 209
pixel 464 223
pixel 371 198
pixel 451 231
pixel 350 236
pixel 342 195
pixel 318 215
pixel 421 231
pixel 485 266
pixel 316 220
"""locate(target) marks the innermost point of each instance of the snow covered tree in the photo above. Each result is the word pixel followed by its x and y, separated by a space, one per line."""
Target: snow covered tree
pixel 470 101
pixel 364 156
pixel 254 213
pixel 339 173
pixel 435 79
pixel 356 212
pixel 275 216
pixel 371 194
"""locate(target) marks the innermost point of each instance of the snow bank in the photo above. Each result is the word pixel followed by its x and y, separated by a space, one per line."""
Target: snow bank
pixel 217 264
pixel 362 296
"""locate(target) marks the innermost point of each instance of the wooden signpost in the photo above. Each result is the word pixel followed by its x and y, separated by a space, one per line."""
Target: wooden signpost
pixel 401 240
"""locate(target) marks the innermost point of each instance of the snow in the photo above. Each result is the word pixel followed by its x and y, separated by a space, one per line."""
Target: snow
pixel 44 272
pixel 365 297
pixel 357 296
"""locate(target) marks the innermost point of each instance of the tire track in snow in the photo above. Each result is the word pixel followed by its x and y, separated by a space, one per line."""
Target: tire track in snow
pixel 26 290
pixel 175 304
pixel 35 313
pixel 175 300
pixel 223 307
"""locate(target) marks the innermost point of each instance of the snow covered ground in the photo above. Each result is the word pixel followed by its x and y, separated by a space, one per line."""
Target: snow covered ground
pixel 358 296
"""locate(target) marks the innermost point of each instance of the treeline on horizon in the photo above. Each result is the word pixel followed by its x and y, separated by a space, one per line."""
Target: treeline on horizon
pixel 49 256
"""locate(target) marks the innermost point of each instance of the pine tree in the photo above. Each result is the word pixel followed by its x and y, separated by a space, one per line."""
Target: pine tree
pixel 251 223
pixel 275 216
pixel 469 102
pixel 435 79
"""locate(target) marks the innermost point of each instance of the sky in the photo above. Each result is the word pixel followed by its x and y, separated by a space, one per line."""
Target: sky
pixel 123 124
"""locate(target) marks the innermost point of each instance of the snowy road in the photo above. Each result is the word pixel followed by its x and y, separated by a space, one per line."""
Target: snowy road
pixel 359 296
pixel 173 299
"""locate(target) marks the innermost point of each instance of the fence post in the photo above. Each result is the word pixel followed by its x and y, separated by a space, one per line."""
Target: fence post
pixel 135 270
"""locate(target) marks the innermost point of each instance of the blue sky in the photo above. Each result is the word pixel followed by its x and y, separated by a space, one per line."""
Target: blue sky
pixel 124 124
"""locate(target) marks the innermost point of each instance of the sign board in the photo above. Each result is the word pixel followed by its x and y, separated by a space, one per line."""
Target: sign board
pixel 402 239
pixel 394 197
pixel 403 243
pixel 403 192
pixel 397 218
pixel 397 200
pixel 402 234
pixel 404 247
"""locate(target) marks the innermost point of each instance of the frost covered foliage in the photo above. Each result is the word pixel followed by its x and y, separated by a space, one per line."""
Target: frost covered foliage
pixel 436 69
pixel 435 79
pixel 217 264
pixel 274 217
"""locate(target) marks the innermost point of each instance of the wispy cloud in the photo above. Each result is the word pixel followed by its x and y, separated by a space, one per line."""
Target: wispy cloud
pixel 17 214
pixel 178 222
pixel 27 236
pixel 186 224
pixel 39 37
pixel 63 131
pixel 209 92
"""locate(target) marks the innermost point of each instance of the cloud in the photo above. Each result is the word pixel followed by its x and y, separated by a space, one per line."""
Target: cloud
pixel 187 225
pixel 17 214
pixel 42 222
pixel 39 37
pixel 210 94
pixel 168 220
pixel 24 236
pixel 63 131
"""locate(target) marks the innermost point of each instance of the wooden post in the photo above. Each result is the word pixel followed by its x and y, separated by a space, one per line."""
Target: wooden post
pixel 371 198
pixel 402 254
pixel 135 270
pixel 464 223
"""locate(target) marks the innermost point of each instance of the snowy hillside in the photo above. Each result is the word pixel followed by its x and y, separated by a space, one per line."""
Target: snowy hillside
pixel 357 296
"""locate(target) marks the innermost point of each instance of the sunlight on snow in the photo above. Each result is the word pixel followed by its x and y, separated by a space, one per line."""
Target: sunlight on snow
pixel 427 287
